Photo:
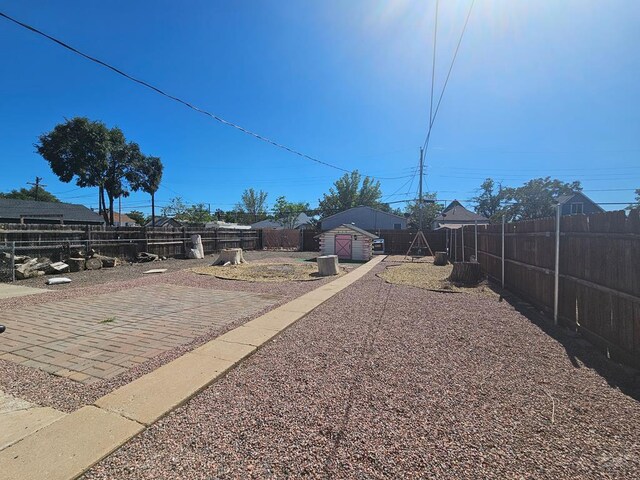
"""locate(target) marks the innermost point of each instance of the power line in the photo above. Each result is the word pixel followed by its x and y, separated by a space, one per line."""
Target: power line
pixel 171 97
pixel 433 67
pixel 446 81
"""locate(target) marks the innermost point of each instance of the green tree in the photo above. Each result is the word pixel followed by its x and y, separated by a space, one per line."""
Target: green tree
pixel 146 175
pixel 138 217
pixel 536 198
pixel 352 190
pixel 489 200
pixel 30 194
pixel 636 204
pixel 93 155
pixel 175 208
pixel 287 212
pixel 430 210
pixel 252 206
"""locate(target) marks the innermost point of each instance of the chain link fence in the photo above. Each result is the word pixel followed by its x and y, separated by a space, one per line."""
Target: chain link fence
pixel 7 262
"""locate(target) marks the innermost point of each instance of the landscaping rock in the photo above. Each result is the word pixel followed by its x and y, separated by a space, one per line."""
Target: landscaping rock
pixel 107 262
pixel 146 257
pixel 27 269
pixel 57 267
pixel 76 264
pixel 93 263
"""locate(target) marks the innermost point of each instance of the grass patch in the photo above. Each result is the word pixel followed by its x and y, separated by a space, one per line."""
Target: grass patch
pixel 108 320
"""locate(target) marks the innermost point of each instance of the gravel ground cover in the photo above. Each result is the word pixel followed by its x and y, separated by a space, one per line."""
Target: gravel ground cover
pixel 430 277
pixel 391 381
pixel 266 271
pixel 63 394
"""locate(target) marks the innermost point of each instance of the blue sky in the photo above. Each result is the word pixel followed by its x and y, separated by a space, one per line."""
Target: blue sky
pixel 539 88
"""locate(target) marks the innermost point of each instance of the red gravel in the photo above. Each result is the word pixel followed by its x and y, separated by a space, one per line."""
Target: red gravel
pixel 386 381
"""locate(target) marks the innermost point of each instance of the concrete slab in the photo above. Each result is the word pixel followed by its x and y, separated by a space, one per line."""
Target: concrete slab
pixel 19 424
pixel 248 335
pixel 10 291
pixel 232 352
pixel 151 396
pixel 277 319
pixel 67 448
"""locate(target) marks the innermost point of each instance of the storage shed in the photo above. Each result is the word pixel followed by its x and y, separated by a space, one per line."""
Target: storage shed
pixel 348 242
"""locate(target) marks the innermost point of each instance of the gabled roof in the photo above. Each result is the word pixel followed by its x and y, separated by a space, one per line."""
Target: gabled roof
pixel 455 212
pixel 124 218
pixel 11 209
pixel 355 229
pixel 163 221
pixel 301 219
pixel 361 207
pixel 562 199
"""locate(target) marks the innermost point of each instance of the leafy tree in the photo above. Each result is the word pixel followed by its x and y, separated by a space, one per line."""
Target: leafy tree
pixel 146 175
pixel 430 210
pixel 536 198
pixel 253 205
pixel 138 217
pixel 93 155
pixel 30 194
pixel 287 212
pixel 489 201
pixel 351 190
pixel 636 204
pixel 176 208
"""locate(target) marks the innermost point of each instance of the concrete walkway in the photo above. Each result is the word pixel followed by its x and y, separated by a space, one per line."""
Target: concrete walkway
pixel 9 291
pixel 68 447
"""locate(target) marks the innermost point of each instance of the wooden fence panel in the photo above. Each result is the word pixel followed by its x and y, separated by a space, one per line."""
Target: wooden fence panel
pixel 309 241
pixel 599 288
pixel 284 239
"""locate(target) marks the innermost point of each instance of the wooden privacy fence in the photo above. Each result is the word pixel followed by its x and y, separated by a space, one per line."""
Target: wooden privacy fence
pixel 598 274
pixel 397 242
pixel 126 242
pixel 283 239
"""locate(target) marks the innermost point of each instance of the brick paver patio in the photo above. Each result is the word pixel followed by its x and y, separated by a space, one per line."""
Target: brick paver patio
pixel 92 338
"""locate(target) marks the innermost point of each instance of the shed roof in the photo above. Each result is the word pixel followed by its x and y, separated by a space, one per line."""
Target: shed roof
pixel 364 207
pixel 12 209
pixel 355 229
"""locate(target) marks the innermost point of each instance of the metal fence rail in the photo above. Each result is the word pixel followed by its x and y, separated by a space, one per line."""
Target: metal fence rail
pixel 7 262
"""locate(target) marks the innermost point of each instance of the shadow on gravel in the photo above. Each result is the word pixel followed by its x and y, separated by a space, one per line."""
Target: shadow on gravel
pixel 580 352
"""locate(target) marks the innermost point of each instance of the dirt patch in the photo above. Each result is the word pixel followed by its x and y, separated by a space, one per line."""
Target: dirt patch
pixel 407 259
pixel 430 277
pixel 264 272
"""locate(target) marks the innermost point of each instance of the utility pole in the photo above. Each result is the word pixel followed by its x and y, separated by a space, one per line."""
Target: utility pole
pixel 37 184
pixel 420 188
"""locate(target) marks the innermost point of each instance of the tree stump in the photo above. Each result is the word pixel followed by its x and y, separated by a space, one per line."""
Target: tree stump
pixel 107 262
pixel 230 256
pixel 466 273
pixel 440 259
pixel 93 263
pixel 328 265
pixel 76 264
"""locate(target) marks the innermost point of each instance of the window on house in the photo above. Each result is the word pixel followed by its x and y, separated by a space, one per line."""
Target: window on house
pixel 576 208
pixel 397 226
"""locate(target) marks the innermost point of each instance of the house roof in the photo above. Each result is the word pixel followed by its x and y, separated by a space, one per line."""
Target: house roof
pixel 361 207
pixel 455 212
pixel 162 221
pixel 11 209
pixel 562 199
pixel 124 218
pixel 355 229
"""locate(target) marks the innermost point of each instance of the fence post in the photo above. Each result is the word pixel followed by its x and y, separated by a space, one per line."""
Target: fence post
pixel 462 242
pixel 556 282
pixel 13 262
pixel 476 238
pixel 502 251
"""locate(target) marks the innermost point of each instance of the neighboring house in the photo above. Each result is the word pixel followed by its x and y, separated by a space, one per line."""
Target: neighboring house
pixel 455 216
pixel 301 222
pixel 348 242
pixel 30 211
pixel 226 225
pixel 123 220
pixel 165 222
pixel 577 203
pixel 366 218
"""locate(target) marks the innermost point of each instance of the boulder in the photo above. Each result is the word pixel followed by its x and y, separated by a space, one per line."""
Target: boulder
pixel 57 267
pixel 27 269
pixel 146 257
pixel 230 256
pixel 93 263
pixel 107 262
